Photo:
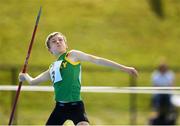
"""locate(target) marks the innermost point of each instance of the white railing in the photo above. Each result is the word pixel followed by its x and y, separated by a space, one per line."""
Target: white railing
pixel 101 89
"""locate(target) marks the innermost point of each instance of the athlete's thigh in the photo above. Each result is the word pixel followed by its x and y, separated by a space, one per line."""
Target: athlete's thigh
pixel 78 113
pixel 58 116
pixel 83 123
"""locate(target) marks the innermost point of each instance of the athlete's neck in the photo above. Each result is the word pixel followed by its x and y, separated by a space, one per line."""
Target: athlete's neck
pixel 61 53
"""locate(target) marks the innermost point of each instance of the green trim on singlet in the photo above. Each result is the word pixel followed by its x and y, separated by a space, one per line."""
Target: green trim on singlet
pixel 68 89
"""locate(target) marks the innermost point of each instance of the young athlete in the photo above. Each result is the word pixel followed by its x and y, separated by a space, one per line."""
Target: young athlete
pixel 65 74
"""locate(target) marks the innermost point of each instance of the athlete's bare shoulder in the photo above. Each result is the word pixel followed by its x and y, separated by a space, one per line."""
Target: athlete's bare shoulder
pixel 74 54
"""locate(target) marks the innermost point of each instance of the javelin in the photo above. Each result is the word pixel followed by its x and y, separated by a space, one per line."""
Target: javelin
pixel 24 67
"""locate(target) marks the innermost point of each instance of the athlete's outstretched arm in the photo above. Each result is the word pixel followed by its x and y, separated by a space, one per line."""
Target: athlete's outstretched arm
pixel 45 76
pixel 81 56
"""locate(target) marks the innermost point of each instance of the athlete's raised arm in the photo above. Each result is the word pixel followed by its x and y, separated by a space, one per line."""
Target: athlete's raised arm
pixel 45 76
pixel 76 56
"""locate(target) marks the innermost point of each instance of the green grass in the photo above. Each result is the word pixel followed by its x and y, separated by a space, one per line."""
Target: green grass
pixel 126 31
pixel 120 30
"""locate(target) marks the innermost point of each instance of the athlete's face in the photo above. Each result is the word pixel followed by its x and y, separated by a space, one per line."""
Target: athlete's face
pixel 57 45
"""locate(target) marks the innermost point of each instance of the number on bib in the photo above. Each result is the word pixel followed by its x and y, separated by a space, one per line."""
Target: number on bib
pixel 55 71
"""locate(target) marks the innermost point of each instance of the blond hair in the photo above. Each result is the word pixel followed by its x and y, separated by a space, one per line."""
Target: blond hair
pixel 52 35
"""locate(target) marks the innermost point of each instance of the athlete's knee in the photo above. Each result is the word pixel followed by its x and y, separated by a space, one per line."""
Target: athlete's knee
pixel 83 123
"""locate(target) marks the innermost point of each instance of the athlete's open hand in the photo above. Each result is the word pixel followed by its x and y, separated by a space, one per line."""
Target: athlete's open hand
pixel 132 71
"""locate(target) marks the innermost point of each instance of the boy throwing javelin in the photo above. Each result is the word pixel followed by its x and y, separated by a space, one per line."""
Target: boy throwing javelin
pixel 65 74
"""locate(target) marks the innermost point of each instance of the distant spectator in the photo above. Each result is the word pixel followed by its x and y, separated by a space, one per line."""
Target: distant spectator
pixel 164 111
pixel 162 77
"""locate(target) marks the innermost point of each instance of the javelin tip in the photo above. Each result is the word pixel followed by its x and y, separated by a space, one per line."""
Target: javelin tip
pixel 39 14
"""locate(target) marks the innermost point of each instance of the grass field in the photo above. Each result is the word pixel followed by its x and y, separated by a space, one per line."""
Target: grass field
pixel 126 31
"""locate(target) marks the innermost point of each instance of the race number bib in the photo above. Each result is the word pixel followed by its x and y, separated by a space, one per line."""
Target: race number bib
pixel 55 71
